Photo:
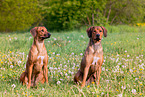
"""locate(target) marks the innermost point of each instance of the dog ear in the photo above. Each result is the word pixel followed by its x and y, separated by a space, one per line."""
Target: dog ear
pixel 33 31
pixel 104 31
pixel 89 32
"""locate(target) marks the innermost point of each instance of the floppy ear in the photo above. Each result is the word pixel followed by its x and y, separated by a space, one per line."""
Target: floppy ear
pixel 104 31
pixel 89 32
pixel 33 31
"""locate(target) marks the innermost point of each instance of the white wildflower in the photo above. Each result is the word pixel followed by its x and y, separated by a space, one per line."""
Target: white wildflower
pixel 130 70
pixel 13 85
pixel 103 69
pixel 119 95
pixel 11 66
pixel 81 54
pixel 123 87
pixel 58 82
pixel 133 91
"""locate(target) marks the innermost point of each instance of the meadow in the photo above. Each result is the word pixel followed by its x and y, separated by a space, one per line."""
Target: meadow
pixel 122 71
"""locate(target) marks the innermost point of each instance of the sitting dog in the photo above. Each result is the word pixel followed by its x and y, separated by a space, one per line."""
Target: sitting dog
pixel 92 60
pixel 36 66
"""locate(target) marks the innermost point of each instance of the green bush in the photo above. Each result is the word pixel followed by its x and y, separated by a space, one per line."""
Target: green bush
pixel 18 14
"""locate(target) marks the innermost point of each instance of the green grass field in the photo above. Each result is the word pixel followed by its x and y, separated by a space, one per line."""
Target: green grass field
pixel 122 71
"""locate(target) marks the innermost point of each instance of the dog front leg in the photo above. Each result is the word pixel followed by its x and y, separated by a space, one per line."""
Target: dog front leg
pixel 45 71
pixel 29 75
pixel 98 75
pixel 86 70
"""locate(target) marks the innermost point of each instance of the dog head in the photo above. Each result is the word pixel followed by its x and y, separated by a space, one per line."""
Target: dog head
pixel 40 33
pixel 96 33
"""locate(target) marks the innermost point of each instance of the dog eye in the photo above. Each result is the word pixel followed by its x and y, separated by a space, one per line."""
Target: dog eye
pixel 95 31
pixel 42 30
pixel 100 30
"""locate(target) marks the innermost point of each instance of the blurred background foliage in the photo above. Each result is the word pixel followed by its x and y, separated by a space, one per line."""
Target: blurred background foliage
pixel 20 15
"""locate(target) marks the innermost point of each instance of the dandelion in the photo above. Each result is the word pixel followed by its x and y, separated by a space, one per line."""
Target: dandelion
pixel 88 86
pixel 140 94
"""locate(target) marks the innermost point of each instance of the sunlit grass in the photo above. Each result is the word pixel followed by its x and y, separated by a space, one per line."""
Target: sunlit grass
pixel 122 70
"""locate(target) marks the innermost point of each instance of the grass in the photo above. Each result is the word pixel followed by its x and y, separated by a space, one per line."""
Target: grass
pixel 122 72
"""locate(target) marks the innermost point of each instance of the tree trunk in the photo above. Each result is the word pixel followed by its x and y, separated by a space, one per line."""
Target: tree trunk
pixel 109 13
pixel 93 19
pixel 88 20
pixel 113 19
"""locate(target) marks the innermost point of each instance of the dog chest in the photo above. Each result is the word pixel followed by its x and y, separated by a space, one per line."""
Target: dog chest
pixel 95 60
pixel 40 58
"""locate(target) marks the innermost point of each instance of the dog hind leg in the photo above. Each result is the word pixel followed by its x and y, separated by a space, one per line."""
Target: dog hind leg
pixel 24 78
pixel 78 77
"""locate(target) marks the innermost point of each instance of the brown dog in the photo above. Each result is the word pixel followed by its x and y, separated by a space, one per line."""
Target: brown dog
pixel 37 59
pixel 92 60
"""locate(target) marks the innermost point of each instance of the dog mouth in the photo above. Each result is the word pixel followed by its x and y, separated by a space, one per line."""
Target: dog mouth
pixel 43 37
pixel 46 36
pixel 97 39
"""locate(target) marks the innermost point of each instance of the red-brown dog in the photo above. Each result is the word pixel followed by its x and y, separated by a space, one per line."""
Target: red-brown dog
pixel 92 60
pixel 37 59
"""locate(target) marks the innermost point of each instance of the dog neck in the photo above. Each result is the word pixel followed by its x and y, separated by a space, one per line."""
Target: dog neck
pixel 95 47
pixel 39 44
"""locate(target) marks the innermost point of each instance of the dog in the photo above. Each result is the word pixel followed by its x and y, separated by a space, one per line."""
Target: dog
pixel 36 65
pixel 90 67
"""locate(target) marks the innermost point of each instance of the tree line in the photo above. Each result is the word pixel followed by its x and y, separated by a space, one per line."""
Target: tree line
pixel 17 15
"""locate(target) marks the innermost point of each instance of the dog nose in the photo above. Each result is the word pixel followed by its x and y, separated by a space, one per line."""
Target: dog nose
pixel 49 34
pixel 97 35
